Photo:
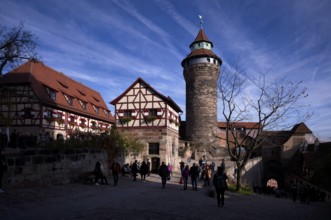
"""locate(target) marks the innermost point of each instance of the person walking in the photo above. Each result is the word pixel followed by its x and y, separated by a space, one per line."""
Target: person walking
pixel 99 174
pixel 148 164
pixel 3 168
pixel 134 170
pixel 115 169
pixel 185 174
pixel 143 171
pixel 170 169
pixel 194 174
pixel 207 175
pixel 219 182
pixel 164 173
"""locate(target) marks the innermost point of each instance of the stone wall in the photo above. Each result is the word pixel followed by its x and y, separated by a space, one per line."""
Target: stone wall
pixel 168 143
pixel 201 104
pixel 35 167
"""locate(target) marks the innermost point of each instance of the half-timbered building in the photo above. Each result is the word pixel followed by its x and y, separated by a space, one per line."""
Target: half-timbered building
pixel 144 113
pixel 36 99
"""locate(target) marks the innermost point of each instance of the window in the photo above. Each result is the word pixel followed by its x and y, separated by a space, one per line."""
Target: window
pixel 82 122
pixel 83 104
pixel 48 113
pixel 82 93
pixel 51 93
pixel 127 113
pixel 62 84
pixel 152 112
pixel 153 148
pixel 96 99
pixel 93 124
pixel 27 113
pixel 96 109
pixel 69 99
pixel 106 112
pixel 72 119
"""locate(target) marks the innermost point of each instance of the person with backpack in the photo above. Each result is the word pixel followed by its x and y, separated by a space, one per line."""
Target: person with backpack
pixel 219 181
pixel 164 174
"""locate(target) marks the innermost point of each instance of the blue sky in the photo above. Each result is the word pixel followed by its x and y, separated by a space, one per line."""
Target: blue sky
pixel 108 44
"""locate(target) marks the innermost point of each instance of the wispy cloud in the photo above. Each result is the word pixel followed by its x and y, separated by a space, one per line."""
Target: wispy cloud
pixel 108 44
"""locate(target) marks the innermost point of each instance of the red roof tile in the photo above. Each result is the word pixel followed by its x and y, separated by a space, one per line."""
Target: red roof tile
pixel 301 128
pixel 247 125
pixel 201 37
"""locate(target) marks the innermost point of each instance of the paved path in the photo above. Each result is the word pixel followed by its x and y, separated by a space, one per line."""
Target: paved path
pixel 138 200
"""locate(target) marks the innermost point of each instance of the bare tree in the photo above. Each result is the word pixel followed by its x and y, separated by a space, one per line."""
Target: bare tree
pixel 266 104
pixel 16 45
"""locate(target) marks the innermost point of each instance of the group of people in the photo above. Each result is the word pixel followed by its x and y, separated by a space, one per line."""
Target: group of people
pixel 133 170
pixel 219 179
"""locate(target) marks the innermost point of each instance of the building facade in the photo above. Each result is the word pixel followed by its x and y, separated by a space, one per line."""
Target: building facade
pixel 37 101
pixel 152 118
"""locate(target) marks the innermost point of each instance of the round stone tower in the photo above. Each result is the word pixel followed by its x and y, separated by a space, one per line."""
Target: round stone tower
pixel 201 73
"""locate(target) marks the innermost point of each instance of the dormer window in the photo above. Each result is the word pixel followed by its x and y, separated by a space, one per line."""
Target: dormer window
pixel 106 112
pixel 51 93
pixel 69 99
pixel 96 109
pixel 82 93
pixel 83 104
pixel 96 99
pixel 63 84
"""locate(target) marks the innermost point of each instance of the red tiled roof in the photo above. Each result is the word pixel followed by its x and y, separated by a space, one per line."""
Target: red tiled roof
pixel 301 128
pixel 39 76
pixel 167 100
pixel 247 125
pixel 201 37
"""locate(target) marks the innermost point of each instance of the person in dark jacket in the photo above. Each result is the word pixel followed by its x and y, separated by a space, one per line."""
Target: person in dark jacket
pixel 99 174
pixel 3 168
pixel 194 174
pixel 115 169
pixel 164 173
pixel 219 182
pixel 134 170
pixel 143 171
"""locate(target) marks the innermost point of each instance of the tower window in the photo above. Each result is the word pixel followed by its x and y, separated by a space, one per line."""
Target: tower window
pixel 208 59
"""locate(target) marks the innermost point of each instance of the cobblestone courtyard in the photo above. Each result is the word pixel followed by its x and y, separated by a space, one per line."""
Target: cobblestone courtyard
pixel 146 200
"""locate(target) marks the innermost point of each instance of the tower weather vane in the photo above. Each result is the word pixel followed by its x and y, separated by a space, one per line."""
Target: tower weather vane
pixel 200 21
